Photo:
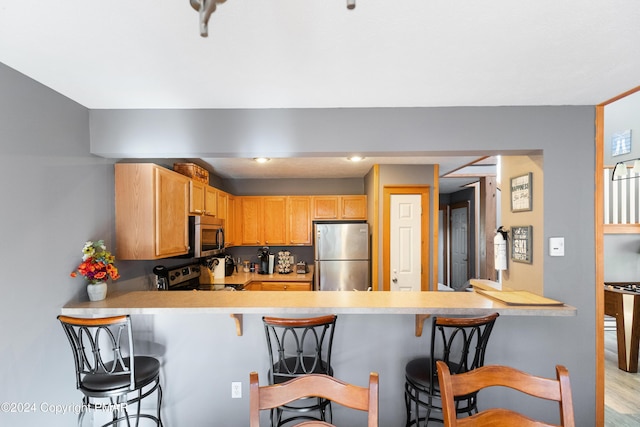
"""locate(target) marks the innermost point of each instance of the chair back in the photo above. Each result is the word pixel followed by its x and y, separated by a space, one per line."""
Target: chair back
pixel 313 385
pixel 558 390
pixel 97 345
pixel 459 342
pixel 299 346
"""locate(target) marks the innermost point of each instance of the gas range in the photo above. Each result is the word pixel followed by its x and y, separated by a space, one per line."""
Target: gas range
pixel 630 287
pixel 186 278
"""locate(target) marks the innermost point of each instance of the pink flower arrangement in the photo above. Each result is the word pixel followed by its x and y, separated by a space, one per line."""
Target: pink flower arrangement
pixel 97 263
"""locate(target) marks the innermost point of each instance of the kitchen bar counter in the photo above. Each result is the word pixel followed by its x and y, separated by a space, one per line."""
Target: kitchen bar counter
pixel 237 303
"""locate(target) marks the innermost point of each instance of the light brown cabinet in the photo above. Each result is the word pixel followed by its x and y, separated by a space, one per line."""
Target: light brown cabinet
pixel 250 218
pixel 263 220
pixel 203 199
pixel 231 222
pixel 151 212
pixel 210 201
pixel 279 286
pixel 353 207
pixel 340 207
pixel 299 213
pixel 274 229
pixel 196 197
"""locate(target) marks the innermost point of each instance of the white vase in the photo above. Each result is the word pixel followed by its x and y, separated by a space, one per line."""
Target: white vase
pixel 97 291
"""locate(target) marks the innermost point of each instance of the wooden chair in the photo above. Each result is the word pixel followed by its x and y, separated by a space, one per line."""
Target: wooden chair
pixel 558 390
pixel 316 385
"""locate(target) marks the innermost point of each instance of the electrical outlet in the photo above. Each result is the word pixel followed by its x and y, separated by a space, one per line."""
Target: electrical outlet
pixel 236 390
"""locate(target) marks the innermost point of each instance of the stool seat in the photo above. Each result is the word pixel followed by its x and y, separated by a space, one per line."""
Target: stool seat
pixel 104 370
pixel 292 367
pixel 146 370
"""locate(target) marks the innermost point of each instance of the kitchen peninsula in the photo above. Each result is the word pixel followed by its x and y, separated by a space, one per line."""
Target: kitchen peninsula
pixel 308 302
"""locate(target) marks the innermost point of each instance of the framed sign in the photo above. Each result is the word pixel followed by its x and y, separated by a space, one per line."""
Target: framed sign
pixel 621 143
pixel 521 243
pixel 521 193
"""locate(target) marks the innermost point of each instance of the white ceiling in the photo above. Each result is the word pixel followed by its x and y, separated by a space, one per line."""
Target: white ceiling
pixel 316 53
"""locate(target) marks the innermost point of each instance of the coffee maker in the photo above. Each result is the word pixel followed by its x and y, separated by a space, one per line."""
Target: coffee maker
pixel 263 256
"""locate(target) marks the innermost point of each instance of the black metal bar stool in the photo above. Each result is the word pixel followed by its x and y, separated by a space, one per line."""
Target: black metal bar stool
pixel 459 342
pixel 299 346
pixel 106 368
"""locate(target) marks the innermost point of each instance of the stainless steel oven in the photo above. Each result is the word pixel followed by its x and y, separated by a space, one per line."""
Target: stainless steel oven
pixel 206 236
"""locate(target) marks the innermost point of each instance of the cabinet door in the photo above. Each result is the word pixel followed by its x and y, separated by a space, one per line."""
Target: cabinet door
pixel 210 201
pixel 250 220
pixel 286 286
pixel 275 220
pixel 171 207
pixel 196 197
pixel 299 208
pixel 222 207
pixel 230 223
pixel 253 286
pixel 325 207
pixel 353 207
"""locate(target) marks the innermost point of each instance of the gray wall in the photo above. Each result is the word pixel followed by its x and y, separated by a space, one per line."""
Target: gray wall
pixel 57 195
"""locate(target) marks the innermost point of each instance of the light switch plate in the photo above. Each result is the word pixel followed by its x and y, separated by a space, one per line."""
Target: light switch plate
pixel 556 246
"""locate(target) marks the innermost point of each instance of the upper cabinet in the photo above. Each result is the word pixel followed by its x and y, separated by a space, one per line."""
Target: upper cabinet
pixel 210 201
pixel 340 207
pixel 151 210
pixel 299 213
pixel 196 197
pixel 262 220
pixel 153 205
pixel 203 199
pixel 231 232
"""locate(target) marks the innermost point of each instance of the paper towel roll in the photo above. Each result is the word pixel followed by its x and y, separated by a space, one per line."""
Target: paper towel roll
pixel 218 271
pixel 272 259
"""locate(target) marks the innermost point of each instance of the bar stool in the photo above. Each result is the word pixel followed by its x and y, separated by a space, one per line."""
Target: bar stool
pixel 459 342
pixel 103 371
pixel 296 347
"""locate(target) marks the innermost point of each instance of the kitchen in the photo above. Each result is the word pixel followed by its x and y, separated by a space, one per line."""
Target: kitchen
pixel 384 341
pixel 221 226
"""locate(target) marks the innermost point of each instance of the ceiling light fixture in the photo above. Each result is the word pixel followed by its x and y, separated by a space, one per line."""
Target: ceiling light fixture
pixel 356 158
pixel 206 7
pixel 623 171
pixel 261 159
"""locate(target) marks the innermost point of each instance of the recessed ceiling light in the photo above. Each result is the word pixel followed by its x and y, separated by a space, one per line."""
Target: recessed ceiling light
pixel 356 158
pixel 261 159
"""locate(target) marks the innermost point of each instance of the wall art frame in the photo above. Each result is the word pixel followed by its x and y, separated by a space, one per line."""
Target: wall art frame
pixel 522 193
pixel 522 244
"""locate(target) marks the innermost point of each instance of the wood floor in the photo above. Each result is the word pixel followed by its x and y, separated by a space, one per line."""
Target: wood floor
pixel 622 389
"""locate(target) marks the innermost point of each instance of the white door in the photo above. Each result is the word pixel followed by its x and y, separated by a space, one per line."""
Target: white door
pixel 459 246
pixel 405 242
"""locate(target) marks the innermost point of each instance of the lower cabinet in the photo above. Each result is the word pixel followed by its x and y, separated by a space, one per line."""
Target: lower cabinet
pixel 279 286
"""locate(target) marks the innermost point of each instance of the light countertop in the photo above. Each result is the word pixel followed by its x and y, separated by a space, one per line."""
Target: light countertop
pixel 242 278
pixel 287 302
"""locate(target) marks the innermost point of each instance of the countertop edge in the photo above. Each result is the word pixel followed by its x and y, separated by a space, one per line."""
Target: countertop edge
pixel 301 302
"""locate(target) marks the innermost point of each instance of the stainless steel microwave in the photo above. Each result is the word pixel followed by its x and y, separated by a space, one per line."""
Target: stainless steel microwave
pixel 206 236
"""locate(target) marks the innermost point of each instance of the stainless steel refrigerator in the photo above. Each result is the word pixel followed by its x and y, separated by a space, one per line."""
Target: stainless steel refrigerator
pixel 341 252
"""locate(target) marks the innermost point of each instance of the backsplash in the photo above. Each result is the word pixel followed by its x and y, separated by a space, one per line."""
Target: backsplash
pixel 250 253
